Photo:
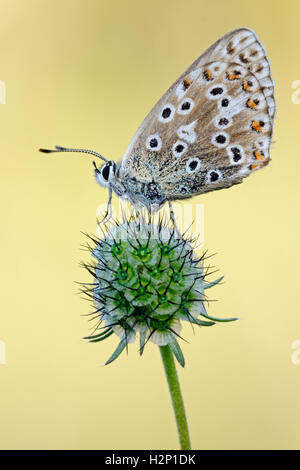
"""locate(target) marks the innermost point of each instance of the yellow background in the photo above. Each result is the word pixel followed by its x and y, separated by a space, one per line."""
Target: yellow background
pixel 85 73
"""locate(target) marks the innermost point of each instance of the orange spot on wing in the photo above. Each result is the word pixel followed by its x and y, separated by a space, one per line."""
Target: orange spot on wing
pixel 256 125
pixel 251 104
pixel 186 82
pixel 207 74
pixel 259 156
pixel 233 76
pixel 246 86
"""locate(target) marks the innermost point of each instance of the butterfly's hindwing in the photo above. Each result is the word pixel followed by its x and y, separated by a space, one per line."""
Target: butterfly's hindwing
pixel 213 127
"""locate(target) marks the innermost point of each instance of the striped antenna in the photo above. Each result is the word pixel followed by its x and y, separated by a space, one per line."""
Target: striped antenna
pixel 65 149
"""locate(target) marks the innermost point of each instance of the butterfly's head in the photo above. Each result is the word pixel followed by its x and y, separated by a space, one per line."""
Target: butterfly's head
pixel 106 173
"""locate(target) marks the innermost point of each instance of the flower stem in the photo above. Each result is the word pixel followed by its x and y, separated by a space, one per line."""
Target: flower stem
pixel 177 401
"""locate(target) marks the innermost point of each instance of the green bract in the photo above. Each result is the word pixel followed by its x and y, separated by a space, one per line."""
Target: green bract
pixel 146 282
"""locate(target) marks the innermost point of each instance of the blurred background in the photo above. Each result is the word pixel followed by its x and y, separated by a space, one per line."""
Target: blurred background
pixel 85 74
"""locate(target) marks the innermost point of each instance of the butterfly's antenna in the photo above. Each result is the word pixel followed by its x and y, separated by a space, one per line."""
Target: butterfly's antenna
pixel 65 149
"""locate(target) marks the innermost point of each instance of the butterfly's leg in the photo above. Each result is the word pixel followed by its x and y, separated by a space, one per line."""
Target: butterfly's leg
pixel 109 206
pixel 107 214
pixel 172 217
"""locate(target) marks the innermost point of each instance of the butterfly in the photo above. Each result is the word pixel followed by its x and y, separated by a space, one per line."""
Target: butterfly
pixel 210 130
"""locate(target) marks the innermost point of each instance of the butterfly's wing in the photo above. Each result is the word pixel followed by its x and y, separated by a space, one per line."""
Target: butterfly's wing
pixel 213 126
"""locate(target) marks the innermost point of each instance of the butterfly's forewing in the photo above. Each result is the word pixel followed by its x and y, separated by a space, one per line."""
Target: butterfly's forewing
pixel 213 126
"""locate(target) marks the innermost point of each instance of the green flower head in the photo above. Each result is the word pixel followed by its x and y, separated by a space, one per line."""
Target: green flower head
pixel 147 281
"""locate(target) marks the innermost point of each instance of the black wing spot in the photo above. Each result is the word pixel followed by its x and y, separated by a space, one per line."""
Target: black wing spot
pixel 225 102
pixel 179 148
pixel 186 105
pixel 216 91
pixel 223 122
pixel 221 139
pixel 193 165
pixel 166 113
pixel 236 154
pixel 153 143
pixel 214 176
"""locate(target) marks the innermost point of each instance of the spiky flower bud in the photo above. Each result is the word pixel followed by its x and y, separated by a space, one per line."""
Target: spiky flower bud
pixel 146 283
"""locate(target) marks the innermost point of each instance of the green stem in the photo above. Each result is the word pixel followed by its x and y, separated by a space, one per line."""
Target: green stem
pixel 177 401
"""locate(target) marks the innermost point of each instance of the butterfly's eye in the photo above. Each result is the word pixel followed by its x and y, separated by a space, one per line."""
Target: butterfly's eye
pixel 106 173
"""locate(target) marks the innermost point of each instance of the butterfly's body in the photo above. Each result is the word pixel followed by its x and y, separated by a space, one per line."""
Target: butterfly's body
pixel 211 129
pixel 142 192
